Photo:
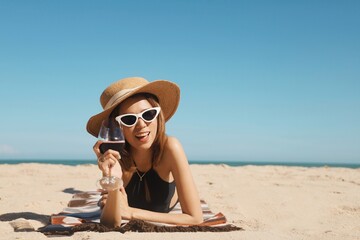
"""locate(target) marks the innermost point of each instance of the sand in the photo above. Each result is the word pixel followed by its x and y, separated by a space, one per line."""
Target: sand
pixel 269 202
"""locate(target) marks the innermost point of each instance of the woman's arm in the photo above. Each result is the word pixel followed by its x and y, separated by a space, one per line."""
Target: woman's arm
pixel 109 165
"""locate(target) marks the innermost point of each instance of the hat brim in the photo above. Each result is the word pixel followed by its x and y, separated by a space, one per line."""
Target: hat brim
pixel 168 94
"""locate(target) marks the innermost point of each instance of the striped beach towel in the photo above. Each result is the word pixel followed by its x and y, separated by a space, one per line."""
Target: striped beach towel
pixel 83 214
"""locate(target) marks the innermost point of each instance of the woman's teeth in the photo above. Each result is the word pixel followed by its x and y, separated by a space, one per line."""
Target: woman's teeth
pixel 142 135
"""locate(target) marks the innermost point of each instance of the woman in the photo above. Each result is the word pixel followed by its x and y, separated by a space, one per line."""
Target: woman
pixel 153 166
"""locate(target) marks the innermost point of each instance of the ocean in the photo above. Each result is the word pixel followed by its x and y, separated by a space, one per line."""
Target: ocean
pixel 229 163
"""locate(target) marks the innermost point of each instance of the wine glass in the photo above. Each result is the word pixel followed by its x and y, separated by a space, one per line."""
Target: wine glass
pixel 112 137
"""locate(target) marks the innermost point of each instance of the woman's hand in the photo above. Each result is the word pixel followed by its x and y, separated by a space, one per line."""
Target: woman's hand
pixel 126 211
pixel 108 162
pixel 102 201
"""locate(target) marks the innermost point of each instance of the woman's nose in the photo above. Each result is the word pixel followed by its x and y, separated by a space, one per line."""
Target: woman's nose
pixel 141 123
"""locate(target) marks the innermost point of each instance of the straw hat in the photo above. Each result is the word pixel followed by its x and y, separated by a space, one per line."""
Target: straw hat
pixel 168 94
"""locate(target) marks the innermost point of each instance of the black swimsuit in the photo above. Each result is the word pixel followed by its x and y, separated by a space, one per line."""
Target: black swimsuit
pixel 151 193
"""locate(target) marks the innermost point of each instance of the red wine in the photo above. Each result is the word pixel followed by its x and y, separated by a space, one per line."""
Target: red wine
pixel 114 145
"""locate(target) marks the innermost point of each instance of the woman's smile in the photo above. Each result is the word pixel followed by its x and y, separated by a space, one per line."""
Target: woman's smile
pixel 143 136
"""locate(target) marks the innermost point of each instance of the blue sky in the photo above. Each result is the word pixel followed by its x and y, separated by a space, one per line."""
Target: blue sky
pixel 260 80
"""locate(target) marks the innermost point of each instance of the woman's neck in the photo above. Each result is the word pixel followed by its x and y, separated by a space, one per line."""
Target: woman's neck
pixel 142 159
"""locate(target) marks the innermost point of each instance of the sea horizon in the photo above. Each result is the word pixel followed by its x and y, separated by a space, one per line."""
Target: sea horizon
pixel 74 162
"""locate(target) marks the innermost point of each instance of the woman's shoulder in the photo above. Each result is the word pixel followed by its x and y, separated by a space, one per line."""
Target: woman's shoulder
pixel 172 144
pixel 173 151
pixel 172 157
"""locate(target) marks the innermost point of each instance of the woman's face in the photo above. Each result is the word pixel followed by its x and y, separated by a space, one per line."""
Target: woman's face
pixel 142 135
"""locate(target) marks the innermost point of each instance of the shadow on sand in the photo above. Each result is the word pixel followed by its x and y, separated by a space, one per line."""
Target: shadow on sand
pixel 31 215
pixel 71 190
pixel 27 215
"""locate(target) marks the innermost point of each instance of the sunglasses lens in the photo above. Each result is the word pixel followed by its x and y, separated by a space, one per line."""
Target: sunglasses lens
pixel 149 115
pixel 128 120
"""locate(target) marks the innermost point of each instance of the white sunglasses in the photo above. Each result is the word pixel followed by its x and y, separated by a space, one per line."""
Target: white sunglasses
pixel 130 119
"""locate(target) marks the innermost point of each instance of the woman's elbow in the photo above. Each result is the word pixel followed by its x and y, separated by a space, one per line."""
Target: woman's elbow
pixel 111 223
pixel 196 220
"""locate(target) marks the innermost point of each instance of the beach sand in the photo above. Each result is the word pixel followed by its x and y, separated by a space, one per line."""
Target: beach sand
pixel 269 202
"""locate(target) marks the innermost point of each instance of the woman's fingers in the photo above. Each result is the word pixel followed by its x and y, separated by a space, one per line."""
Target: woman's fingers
pixel 107 161
pixel 102 201
pixel 98 153
pixel 115 153
pixel 97 149
pixel 106 166
pixel 103 192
